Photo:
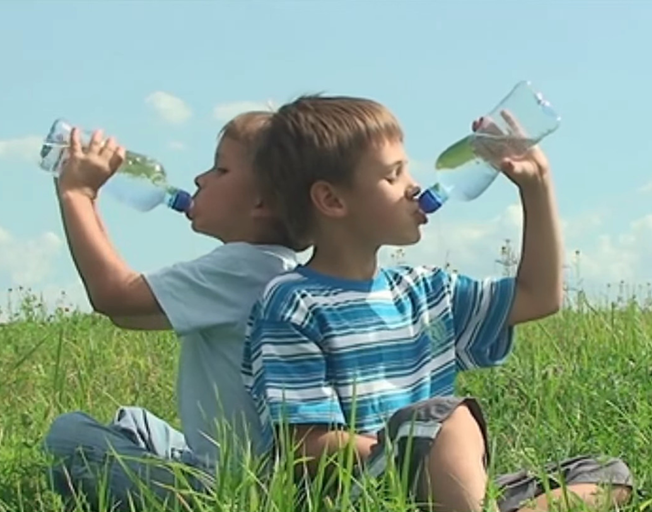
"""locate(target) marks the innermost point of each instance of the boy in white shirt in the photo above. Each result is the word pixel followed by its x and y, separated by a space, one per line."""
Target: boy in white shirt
pixel 205 301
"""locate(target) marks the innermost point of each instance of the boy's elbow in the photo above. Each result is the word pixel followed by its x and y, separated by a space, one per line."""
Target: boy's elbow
pixel 557 301
pixel 111 301
pixel 551 305
pixel 104 304
pixel 535 306
pixel 552 308
pixel 115 297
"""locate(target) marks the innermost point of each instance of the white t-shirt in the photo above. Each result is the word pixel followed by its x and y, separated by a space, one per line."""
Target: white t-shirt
pixel 208 301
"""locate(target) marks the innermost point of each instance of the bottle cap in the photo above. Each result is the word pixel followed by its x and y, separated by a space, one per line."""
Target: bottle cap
pixel 182 201
pixel 429 202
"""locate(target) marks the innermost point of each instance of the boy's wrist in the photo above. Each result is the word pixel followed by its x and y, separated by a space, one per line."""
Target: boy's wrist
pixel 535 185
pixel 76 194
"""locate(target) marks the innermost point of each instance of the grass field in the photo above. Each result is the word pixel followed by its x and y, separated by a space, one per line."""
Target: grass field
pixel 580 382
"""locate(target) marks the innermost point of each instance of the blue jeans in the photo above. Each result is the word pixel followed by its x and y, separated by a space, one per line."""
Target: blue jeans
pixel 135 456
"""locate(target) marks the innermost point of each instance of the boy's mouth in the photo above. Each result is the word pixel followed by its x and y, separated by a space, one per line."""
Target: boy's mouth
pixel 190 209
pixel 422 217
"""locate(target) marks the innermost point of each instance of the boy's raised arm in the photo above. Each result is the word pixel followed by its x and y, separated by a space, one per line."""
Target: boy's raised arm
pixel 112 287
pixel 539 279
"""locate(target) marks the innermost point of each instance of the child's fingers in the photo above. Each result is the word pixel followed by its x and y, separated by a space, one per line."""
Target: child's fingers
pixel 117 158
pixel 515 168
pixel 95 143
pixel 513 124
pixel 487 125
pixel 109 147
pixel 75 143
pixel 507 166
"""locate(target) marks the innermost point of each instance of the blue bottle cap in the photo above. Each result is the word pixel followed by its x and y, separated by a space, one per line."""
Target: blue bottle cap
pixel 429 202
pixel 182 201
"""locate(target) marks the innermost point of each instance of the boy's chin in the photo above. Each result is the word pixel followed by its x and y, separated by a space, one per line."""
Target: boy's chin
pixel 203 230
pixel 405 239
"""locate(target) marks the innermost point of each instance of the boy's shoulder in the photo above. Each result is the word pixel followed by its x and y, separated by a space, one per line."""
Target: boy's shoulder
pixel 236 250
pixel 283 290
pixel 241 258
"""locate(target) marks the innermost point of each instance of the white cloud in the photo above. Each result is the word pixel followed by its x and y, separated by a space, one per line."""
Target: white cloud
pixel 28 261
pixel 23 148
pixel 226 111
pixel 170 108
pixel 647 188
pixel 177 146
pixel 622 257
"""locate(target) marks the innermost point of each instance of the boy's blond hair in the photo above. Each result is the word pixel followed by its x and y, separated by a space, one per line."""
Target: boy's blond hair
pixel 246 129
pixel 317 138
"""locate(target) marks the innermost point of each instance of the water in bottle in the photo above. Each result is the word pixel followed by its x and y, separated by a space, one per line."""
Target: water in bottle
pixel 467 167
pixel 140 181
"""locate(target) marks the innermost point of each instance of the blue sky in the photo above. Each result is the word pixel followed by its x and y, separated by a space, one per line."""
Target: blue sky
pixel 163 76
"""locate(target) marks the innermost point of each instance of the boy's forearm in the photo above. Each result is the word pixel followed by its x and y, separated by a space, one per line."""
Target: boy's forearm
pixel 316 442
pixel 100 267
pixel 539 280
pixel 98 217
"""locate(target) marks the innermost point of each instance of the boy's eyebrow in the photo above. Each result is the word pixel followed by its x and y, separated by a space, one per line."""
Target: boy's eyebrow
pixel 398 163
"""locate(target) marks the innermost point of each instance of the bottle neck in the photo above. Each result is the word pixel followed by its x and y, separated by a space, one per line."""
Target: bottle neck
pixel 433 198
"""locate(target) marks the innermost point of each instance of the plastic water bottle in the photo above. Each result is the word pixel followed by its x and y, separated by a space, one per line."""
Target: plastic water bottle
pixel 140 182
pixel 468 167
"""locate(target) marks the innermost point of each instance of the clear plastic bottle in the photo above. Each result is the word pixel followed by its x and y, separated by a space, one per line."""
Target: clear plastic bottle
pixel 140 182
pixel 464 170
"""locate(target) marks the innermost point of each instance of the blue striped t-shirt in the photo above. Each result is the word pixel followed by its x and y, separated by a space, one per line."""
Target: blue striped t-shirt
pixel 318 347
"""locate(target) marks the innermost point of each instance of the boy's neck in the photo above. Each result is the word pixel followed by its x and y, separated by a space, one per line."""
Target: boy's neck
pixel 344 260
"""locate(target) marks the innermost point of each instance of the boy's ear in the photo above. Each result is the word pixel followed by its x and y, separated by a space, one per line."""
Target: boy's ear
pixel 327 199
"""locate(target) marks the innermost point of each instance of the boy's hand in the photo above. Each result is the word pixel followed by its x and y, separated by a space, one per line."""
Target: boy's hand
pixel 85 171
pixel 523 165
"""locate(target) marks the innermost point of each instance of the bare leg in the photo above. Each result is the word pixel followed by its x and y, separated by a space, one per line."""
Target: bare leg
pixel 455 479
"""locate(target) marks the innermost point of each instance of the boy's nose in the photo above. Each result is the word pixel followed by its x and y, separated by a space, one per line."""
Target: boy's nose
pixel 198 180
pixel 413 192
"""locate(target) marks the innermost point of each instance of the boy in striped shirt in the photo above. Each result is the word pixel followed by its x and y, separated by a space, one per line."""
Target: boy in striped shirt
pixel 340 330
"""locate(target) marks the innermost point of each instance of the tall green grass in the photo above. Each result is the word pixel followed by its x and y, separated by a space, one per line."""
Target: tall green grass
pixel 579 382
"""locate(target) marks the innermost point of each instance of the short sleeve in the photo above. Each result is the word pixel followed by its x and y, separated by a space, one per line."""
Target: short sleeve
pixel 284 367
pixel 480 310
pixel 216 289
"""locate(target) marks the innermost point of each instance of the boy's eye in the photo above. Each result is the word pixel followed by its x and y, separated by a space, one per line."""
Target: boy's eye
pixel 394 175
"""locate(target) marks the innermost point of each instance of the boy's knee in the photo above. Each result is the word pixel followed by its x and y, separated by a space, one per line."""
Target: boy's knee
pixel 68 432
pixel 462 424
pixel 620 494
pixel 456 473
pixel 65 426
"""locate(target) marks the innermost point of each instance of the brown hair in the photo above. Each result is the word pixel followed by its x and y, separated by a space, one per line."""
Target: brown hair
pixel 317 138
pixel 246 129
